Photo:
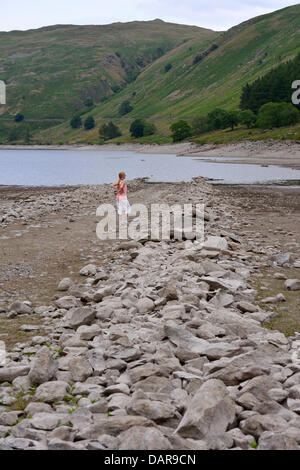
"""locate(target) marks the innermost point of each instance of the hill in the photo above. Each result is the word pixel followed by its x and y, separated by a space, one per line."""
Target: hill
pixel 50 72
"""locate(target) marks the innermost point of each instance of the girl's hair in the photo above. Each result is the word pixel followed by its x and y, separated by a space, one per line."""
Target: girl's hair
pixel 121 177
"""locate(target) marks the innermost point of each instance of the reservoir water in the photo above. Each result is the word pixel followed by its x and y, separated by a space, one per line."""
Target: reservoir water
pixel 80 167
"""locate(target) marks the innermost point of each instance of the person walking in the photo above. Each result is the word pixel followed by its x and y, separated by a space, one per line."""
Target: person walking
pixel 123 206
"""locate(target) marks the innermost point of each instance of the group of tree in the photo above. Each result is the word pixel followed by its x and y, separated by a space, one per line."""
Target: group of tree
pixel 109 131
pixel 270 115
pixel 76 122
pixel 275 86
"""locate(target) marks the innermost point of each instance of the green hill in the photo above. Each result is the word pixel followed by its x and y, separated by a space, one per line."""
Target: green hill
pixel 51 71
pixel 169 71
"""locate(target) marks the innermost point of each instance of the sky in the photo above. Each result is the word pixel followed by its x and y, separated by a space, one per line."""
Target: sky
pixel 215 14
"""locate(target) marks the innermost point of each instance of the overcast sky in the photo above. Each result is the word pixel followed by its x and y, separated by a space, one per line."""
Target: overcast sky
pixel 216 14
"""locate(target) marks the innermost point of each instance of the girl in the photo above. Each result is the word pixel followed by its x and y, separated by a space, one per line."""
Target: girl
pixel 123 205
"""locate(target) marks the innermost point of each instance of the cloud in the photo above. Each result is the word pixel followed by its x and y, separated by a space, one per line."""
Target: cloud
pixel 216 15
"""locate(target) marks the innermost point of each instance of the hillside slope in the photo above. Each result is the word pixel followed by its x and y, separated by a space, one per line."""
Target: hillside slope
pixel 244 52
pixel 51 71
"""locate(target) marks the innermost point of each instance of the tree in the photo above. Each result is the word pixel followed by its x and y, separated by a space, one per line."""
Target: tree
pixel 149 128
pixel 247 117
pixel 168 67
pixel 215 119
pixel 76 122
pixel 125 108
pixel 230 119
pixel 109 131
pixel 89 102
pixel 180 130
pixel 276 115
pixel 19 117
pixel 199 125
pixel 137 128
pixel 89 123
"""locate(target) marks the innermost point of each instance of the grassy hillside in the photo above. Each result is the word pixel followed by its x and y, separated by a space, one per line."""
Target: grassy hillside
pixel 52 70
pixel 176 71
pixel 244 53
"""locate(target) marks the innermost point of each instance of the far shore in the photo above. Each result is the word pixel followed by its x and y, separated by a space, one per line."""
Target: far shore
pixel 281 153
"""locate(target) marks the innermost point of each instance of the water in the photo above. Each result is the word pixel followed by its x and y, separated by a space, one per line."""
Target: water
pixel 73 167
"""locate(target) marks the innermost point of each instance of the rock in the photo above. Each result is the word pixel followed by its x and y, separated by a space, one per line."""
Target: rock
pixel 145 305
pixel 215 243
pixel 67 302
pixel 186 340
pixel 33 408
pixel 113 425
pixel 230 285
pixel 20 308
pixel 79 316
pixel 257 424
pixel 240 439
pixel 51 392
pixel 128 354
pixel 43 367
pixel 219 442
pixel 272 300
pixel 103 292
pixel 59 444
pixel 8 374
pixel 89 270
pixel 210 412
pixel 279 276
pixel 80 369
pixel 64 284
pixel 154 384
pixel 87 333
pixel 154 410
pixel 276 441
pixel 21 444
pixel 282 259
pixel 246 307
pixel 143 438
pixel 48 421
pixel 141 372
pixel 292 284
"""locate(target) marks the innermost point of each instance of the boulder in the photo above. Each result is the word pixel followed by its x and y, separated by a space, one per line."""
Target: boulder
pixel 143 438
pixel 292 284
pixel 53 391
pixel 210 412
pixel 43 367
pixel 79 316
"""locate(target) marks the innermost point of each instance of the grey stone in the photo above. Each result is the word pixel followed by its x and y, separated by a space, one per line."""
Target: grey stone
pixel 80 369
pixel 80 316
pixel 143 438
pixel 20 308
pixel 210 412
pixel 292 284
pixel 53 391
pixel 43 367
pixel 8 374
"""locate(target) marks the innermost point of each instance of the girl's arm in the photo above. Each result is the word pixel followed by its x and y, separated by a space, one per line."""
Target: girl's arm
pixel 114 185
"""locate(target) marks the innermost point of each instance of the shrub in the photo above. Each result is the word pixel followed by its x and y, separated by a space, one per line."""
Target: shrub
pixel 247 117
pixel 168 67
pixel 19 117
pixel 125 108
